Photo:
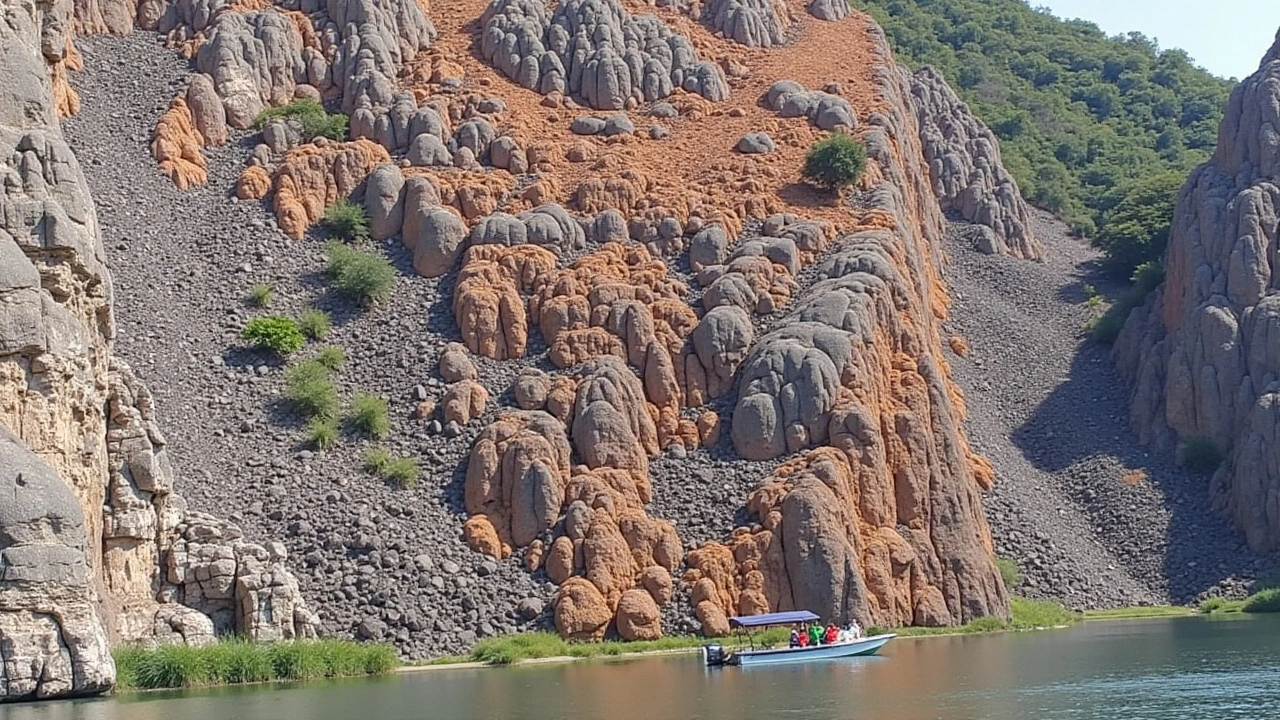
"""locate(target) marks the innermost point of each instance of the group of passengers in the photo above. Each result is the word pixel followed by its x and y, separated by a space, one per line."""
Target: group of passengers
pixel 809 634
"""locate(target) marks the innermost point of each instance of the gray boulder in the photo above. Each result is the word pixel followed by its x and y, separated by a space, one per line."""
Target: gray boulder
pixel 441 236
pixel 756 143
pixel 384 201
pixel 754 23
pixel 586 125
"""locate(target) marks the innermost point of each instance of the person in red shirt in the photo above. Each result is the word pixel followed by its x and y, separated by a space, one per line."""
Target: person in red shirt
pixel 804 638
pixel 832 635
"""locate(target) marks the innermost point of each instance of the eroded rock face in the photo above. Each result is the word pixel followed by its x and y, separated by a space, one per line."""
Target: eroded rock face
pixel 964 162
pixel 53 642
pixel 1202 353
pixel 111 563
pixel 596 50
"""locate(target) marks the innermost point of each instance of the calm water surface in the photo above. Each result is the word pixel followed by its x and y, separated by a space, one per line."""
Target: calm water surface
pixel 1142 669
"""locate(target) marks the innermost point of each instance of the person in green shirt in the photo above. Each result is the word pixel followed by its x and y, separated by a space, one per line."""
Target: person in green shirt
pixel 815 635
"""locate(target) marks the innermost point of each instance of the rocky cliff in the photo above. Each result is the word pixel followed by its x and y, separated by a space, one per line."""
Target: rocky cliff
pixel 98 547
pixel 1202 353
pixel 659 374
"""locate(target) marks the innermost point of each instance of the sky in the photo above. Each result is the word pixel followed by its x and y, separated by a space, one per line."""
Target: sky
pixel 1225 37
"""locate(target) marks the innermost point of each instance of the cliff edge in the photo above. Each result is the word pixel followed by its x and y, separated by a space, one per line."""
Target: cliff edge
pixel 1202 352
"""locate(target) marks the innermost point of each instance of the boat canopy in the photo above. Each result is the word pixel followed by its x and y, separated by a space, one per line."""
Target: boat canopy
pixel 782 618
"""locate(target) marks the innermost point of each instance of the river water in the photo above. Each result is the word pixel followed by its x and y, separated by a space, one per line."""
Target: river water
pixel 1162 669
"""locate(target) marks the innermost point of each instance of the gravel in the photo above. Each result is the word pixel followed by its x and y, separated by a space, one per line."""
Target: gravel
pixel 1090 516
pixel 386 564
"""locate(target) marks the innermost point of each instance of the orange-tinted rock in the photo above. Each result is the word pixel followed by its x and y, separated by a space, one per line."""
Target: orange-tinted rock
pixel 454 365
pixel 714 621
pixel 708 424
pixel 560 563
pixel 657 581
pixel 464 401
pixel 487 302
pixel 533 558
pixel 607 557
pixel 516 475
pixel 176 147
pixel 638 616
pixel 254 183
pixel 581 611
pixel 314 176
pixel 482 537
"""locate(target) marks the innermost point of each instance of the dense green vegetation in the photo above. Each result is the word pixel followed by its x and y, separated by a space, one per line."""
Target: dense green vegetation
pixel 238 661
pixel 365 276
pixel 1084 120
pixel 347 220
pixel 401 471
pixel 1200 455
pixel 310 389
pixel 1009 572
pixel 1145 279
pixel 314 323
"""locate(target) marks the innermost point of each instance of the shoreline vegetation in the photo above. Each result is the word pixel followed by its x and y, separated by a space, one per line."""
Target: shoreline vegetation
pixel 235 661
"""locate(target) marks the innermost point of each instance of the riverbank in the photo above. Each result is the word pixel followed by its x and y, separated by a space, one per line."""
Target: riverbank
pixel 235 662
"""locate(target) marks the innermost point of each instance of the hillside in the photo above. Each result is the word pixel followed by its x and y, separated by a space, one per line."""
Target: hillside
pixel 422 323
pixel 1080 116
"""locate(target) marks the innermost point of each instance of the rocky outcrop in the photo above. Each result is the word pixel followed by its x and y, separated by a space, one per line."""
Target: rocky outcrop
pixel 596 50
pixel 754 23
pixel 97 528
pixel 968 177
pixel 54 644
pixel 1202 351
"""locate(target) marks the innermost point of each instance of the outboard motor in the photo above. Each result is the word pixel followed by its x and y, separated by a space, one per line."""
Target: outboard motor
pixel 714 655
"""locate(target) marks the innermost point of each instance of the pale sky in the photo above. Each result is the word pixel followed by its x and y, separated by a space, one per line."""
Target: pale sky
pixel 1226 37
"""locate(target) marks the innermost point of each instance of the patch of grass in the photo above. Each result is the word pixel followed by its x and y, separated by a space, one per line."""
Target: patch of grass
pixel 278 334
pixel 376 459
pixel 347 220
pixel 508 649
pixel 322 432
pixel 1201 456
pixel 365 276
pixel 1030 614
pixel 311 117
pixel 1267 601
pixel 234 661
pixel 402 471
pixel 369 415
pixel 331 357
pixel 314 323
pixel 1009 572
pixel 1211 605
pixel 311 390
pixel 1137 611
pixel 260 295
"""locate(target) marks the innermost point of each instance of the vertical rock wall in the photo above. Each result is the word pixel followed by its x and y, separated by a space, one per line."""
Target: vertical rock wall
pixel 1204 352
pixel 95 544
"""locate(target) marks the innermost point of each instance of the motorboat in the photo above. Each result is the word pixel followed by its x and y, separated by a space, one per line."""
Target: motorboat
pixel 848 646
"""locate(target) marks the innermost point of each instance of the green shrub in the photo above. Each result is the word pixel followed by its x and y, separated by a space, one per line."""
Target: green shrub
pixel 987 624
pixel 1211 605
pixel 322 432
pixel 1146 278
pixel 376 459
pixel 835 162
pixel 365 276
pixel 1267 601
pixel 280 334
pixel 314 323
pixel 237 661
pixel 1009 572
pixel 311 390
pixel 1201 456
pixel 260 295
pixel 311 118
pixel 369 415
pixel 1029 614
pixel 331 356
pixel 347 219
pixel 402 471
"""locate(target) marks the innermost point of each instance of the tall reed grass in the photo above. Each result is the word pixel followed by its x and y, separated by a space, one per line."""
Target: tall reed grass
pixel 236 661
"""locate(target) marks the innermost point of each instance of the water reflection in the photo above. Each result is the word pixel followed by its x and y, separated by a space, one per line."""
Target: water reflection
pixel 1150 669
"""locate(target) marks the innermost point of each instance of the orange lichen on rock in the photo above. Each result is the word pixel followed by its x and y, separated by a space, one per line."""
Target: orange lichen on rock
pixel 315 175
pixel 487 301
pixel 176 147
pixel 254 183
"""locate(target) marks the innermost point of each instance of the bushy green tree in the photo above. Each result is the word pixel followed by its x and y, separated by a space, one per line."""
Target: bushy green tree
pixel 1136 230
pixel 311 118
